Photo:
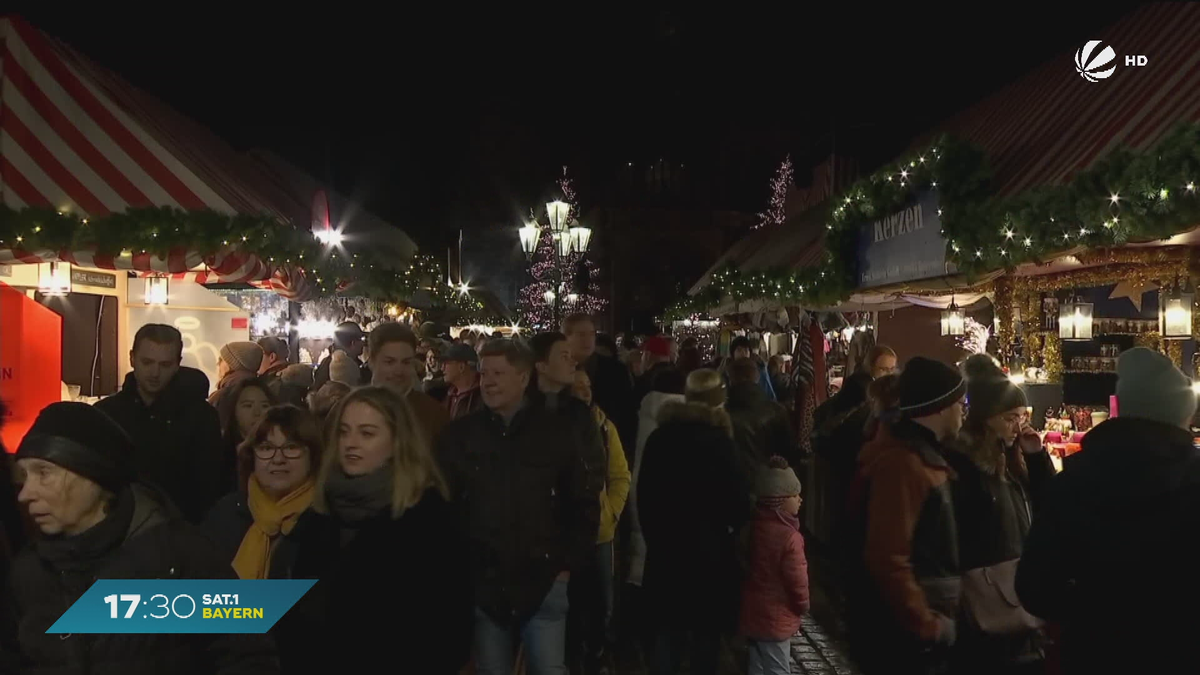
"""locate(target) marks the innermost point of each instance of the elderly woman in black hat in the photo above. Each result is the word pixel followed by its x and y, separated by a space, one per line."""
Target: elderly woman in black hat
pixel 95 523
pixel 999 466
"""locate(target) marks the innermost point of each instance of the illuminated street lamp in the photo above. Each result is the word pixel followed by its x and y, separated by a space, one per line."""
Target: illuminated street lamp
pixel 558 212
pixel 530 234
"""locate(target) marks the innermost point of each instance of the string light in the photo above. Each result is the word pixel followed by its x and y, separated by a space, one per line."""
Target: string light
pixel 1116 197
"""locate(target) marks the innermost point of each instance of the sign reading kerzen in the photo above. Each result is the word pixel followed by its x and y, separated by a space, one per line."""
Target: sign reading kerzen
pixel 903 246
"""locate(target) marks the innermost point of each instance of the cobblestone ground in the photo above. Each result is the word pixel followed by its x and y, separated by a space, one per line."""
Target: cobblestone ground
pixel 814 652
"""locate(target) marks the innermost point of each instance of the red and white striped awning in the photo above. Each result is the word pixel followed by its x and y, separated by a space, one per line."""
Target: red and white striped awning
pixel 76 137
pixel 1051 124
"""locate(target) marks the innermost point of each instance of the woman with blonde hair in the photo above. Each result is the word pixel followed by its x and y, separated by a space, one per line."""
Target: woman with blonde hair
pixel 381 537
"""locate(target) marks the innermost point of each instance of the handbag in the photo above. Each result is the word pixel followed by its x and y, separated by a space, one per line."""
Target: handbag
pixel 990 599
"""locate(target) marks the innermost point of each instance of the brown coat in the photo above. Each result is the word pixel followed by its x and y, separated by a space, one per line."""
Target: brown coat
pixel 431 414
pixel 911 547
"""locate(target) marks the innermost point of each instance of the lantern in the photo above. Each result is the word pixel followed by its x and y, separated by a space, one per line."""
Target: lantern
pixel 54 278
pixel 548 296
pixel 1075 320
pixel 530 234
pixel 1175 315
pixel 562 243
pixel 572 298
pixel 157 290
pixel 954 321
pixel 558 211
pixel 580 238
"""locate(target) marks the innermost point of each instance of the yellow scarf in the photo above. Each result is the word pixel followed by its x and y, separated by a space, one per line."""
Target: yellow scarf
pixel 271 519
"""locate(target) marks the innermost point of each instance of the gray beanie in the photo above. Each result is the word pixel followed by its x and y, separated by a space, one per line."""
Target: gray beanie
pixel 776 480
pixel 1150 387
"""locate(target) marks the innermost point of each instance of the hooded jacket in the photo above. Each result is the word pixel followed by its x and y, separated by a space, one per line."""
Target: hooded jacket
pixel 155 545
pixel 692 503
pixel 652 404
pixel 775 593
pixel 910 544
pixel 760 427
pixel 1117 537
pixel 177 439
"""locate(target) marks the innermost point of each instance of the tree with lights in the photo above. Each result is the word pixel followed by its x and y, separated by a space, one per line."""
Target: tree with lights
pixel 539 303
pixel 776 212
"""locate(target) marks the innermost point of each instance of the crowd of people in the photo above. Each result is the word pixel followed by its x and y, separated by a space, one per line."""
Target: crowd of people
pixel 532 504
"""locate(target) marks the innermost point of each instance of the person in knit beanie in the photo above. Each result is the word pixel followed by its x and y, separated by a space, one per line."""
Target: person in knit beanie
pixel 238 362
pixel 1150 387
pixel 345 370
pixel 775 591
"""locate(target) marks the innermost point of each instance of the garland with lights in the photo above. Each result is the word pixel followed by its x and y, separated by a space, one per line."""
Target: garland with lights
pixel 776 213
pixel 1125 197
pixel 158 230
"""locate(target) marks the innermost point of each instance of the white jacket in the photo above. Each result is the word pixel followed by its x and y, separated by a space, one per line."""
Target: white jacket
pixel 647 423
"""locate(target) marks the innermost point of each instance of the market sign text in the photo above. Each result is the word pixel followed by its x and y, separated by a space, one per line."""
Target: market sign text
pixel 903 246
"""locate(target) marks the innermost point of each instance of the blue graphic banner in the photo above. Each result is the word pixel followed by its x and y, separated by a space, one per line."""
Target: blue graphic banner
pixel 904 246
pixel 181 606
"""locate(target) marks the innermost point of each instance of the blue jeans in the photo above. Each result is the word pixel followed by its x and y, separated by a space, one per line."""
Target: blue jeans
pixel 544 637
pixel 769 658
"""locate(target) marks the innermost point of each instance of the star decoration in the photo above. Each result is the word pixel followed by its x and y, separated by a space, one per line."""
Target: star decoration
pixel 1132 290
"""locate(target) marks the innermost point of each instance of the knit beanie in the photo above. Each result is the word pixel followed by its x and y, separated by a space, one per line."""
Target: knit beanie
pixel 83 440
pixel 1149 386
pixel 242 356
pixel 344 369
pixel 297 374
pixel 989 391
pixel 776 481
pixel 928 387
pixel 705 386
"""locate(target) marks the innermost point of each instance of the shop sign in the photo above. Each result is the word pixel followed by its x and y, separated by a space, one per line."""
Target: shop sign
pixel 97 279
pixel 903 246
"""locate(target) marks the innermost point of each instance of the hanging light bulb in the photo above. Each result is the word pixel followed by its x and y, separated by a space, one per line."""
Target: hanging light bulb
pixel 54 278
pixel 157 290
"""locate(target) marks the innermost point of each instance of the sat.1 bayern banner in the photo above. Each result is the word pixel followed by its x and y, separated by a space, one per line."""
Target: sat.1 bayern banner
pixel 181 606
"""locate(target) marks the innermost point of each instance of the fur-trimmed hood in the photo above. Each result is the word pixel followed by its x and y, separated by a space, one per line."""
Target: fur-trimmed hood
pixel 696 413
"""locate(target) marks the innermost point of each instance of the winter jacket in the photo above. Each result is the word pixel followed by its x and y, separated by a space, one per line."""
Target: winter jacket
pixel 460 404
pixel 1113 553
pixel 430 414
pixel 909 596
pixel 692 502
pixel 272 377
pixel 228 384
pixel 532 506
pixel 760 428
pixel 775 593
pixel 177 439
pixel 612 390
pixel 397 593
pixel 617 478
pixel 652 404
pixel 226 526
pixel 154 545
pixel 993 490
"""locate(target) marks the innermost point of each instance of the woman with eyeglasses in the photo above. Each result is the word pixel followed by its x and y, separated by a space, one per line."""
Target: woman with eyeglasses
pixel 276 466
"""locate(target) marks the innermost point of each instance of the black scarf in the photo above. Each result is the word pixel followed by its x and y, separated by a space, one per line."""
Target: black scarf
pixel 354 499
pixel 84 551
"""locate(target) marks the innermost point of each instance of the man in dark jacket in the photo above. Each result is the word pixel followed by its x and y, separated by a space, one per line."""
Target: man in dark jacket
pixel 96 524
pixel 275 360
pixel 532 513
pixel 460 365
pixel 760 425
pixel 612 383
pixel 1117 535
pixel 903 606
pixel 175 432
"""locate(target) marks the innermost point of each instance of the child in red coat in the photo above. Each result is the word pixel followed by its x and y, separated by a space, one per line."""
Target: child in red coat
pixel 775 593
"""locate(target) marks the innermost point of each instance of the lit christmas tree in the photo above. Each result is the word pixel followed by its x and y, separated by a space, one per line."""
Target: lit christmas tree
pixel 776 212
pixel 535 307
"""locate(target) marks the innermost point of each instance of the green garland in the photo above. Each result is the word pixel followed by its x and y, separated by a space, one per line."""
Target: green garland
pixel 158 230
pixel 1123 198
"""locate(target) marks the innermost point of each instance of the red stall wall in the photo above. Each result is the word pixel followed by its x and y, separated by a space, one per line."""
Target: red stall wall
pixel 30 361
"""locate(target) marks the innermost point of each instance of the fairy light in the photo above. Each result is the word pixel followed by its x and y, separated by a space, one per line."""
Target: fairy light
pixel 1114 198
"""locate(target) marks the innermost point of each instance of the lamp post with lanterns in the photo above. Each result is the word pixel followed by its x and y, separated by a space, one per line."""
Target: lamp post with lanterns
pixel 569 240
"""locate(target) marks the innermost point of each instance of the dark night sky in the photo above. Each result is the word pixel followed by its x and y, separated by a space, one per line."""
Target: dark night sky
pixel 441 118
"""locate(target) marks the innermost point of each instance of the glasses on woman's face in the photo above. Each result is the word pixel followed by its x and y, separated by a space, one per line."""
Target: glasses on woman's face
pixel 267 452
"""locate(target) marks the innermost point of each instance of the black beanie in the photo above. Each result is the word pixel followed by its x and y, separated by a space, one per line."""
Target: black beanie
pixel 927 387
pixel 83 440
pixel 989 391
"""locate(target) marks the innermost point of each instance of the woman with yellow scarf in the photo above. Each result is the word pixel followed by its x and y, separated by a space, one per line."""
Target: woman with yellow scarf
pixel 277 464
